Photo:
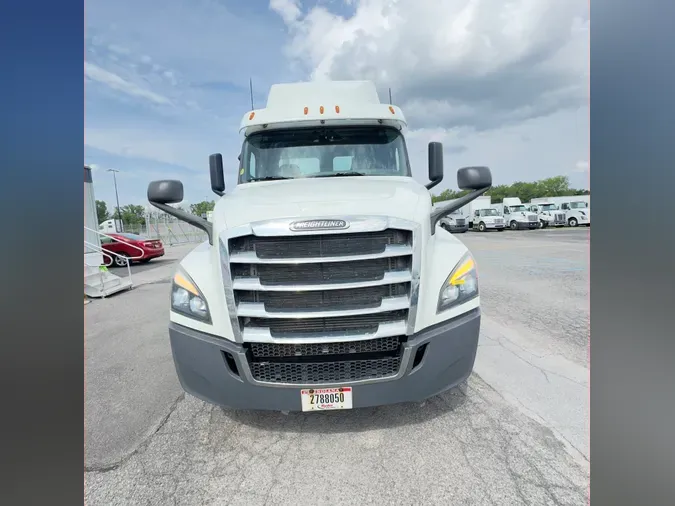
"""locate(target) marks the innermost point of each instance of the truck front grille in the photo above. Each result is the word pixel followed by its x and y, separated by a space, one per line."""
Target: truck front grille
pixel 324 372
pixel 326 245
pixel 336 326
pixel 460 222
pixel 318 287
pixel 269 350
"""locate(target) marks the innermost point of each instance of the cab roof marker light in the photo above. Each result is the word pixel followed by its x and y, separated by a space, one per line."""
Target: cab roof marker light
pixel 337 109
pixel 392 110
pixel 321 110
pixel 251 116
pixel 306 110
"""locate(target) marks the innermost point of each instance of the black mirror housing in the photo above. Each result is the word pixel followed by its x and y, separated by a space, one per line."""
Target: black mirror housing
pixel 435 164
pixel 168 191
pixel 217 174
pixel 474 178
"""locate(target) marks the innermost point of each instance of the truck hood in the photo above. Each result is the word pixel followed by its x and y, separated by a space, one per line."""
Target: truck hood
pixel 322 197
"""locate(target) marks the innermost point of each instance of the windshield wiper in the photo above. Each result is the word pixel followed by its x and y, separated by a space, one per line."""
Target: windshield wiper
pixel 269 178
pixel 341 174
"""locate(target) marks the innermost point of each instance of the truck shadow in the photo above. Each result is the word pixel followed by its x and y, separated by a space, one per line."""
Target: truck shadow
pixel 355 420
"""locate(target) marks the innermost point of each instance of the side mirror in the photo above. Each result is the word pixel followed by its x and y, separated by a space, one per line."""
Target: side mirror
pixel 474 178
pixel 435 164
pixel 217 174
pixel 168 191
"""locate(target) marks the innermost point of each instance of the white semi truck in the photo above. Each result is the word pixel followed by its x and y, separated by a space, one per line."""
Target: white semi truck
pixel 548 213
pixel 576 208
pixel 326 282
pixel 455 222
pixel 516 214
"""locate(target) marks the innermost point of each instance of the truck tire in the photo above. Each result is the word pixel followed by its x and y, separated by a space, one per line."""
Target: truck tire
pixel 513 225
pixel 481 227
pixel 572 222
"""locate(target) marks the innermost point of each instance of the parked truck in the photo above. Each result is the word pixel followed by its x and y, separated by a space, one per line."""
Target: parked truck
pixel 455 222
pixel 548 213
pixel 516 214
pixel 488 219
pixel 482 202
pixel 326 282
pixel 576 208
pixel 577 212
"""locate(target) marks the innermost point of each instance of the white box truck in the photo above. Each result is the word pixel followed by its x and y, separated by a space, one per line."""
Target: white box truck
pixel 516 214
pixel 326 281
pixel 487 219
pixel 482 202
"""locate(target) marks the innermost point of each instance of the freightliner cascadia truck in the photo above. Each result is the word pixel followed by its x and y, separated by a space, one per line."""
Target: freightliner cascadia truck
pixel 326 281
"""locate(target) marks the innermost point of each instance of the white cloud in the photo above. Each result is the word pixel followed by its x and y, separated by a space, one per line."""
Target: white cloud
pixel 477 63
pixel 115 82
pixel 289 10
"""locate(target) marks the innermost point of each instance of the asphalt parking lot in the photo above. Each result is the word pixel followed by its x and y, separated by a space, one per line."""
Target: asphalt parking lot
pixel 516 434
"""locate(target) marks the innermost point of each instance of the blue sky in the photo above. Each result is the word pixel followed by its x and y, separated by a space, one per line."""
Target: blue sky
pixel 166 83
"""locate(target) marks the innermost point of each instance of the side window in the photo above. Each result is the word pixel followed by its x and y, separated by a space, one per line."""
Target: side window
pixel 251 166
pixel 564 206
pixel 476 213
pixel 506 210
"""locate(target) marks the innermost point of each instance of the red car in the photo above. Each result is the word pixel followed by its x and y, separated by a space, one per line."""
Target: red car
pixel 135 247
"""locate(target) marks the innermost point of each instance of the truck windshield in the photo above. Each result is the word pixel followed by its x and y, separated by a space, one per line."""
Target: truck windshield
pixel 518 208
pixel 489 212
pixel 324 152
pixel 578 205
pixel 547 207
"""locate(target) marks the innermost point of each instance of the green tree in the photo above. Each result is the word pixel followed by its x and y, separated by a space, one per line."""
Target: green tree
pixel 102 211
pixel 133 214
pixel 202 208
pixel 525 191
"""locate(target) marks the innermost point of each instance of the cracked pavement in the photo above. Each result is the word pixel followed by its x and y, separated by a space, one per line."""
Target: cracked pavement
pixel 515 434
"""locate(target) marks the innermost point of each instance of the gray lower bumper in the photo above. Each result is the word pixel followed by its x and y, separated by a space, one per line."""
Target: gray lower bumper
pixel 204 372
pixel 529 225
pixel 458 230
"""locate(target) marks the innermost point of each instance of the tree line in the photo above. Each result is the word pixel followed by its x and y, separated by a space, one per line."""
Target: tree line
pixel 132 214
pixel 550 187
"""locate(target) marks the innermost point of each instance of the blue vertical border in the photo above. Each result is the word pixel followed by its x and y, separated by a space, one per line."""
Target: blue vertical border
pixel 41 195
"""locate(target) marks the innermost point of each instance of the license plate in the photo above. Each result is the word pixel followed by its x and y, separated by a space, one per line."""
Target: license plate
pixel 324 399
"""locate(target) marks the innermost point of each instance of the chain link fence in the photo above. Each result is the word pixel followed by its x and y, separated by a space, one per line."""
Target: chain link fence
pixel 166 228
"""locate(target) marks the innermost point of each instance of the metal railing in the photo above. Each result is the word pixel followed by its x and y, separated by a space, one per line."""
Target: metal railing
pixel 94 248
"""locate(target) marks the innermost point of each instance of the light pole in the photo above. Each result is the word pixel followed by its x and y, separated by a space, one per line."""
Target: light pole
pixel 119 213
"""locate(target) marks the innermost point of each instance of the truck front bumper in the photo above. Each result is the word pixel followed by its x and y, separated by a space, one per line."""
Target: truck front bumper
pixel 527 225
pixel 454 229
pixel 217 370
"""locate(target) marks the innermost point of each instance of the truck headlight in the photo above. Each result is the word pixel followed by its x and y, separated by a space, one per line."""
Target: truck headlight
pixel 187 300
pixel 461 285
